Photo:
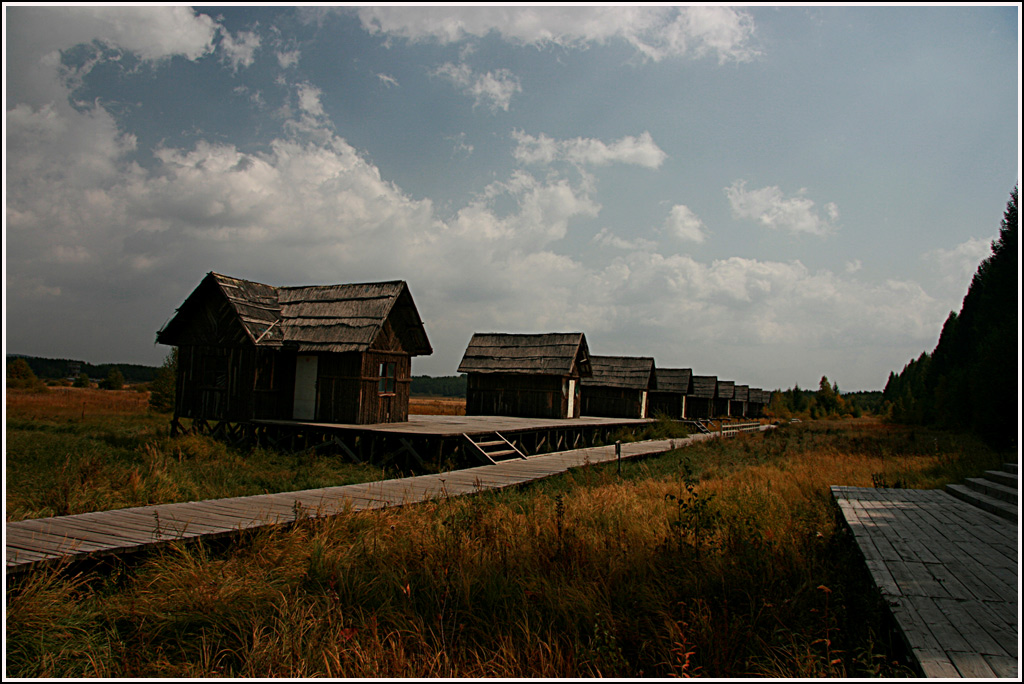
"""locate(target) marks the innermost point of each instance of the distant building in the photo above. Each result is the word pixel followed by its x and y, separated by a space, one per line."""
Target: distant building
pixel 669 396
pixel 319 353
pixel 740 400
pixel 526 375
pixel 723 397
pixel 618 387
pixel 700 400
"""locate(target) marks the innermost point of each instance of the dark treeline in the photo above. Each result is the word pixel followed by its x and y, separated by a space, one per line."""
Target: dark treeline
pixel 55 369
pixel 444 386
pixel 825 402
pixel 969 381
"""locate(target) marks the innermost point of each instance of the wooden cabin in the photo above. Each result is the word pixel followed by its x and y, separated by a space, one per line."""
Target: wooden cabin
pixel 759 399
pixel 318 353
pixel 619 386
pixel 525 375
pixel 740 399
pixel 700 401
pixel 723 397
pixel 754 402
pixel 669 396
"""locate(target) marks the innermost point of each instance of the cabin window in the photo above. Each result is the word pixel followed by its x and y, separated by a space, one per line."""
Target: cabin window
pixel 386 383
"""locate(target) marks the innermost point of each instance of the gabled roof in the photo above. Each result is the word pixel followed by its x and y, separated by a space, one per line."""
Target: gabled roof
pixel 673 379
pixel 726 388
pixel 704 386
pixel 742 393
pixel 756 395
pixel 625 372
pixel 315 318
pixel 536 354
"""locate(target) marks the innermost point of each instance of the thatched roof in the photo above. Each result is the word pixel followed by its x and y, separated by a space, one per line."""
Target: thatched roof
pixel 704 386
pixel 563 354
pixel 741 393
pixel 673 379
pixel 756 395
pixel 622 372
pixel 314 318
pixel 726 388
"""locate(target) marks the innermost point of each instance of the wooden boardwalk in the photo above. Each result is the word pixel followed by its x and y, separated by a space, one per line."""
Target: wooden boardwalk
pixel 31 543
pixel 948 571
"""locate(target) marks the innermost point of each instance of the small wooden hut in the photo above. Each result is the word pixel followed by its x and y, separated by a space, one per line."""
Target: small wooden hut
pixel 700 401
pixel 669 396
pixel 525 375
pixel 740 399
pixel 618 387
pixel 754 402
pixel 723 397
pixel 321 353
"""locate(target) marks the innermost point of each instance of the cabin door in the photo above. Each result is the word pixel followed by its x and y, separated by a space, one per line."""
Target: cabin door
pixel 572 399
pixel 305 388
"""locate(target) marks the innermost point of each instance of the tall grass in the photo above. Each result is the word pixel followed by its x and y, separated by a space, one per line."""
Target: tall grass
pixel 723 559
pixel 75 450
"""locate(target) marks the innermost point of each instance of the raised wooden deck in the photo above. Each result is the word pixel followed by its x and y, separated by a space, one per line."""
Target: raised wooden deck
pixel 948 571
pixel 32 543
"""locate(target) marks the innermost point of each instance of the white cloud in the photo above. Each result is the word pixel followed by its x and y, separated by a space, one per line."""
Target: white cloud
pixel 493 89
pixel 772 209
pixel 240 49
pixel 638 150
pixel 656 33
pixel 389 81
pixel 606 238
pixel 151 32
pixel 684 224
pixel 958 265
pixel 309 100
pixel 854 266
pixel 312 209
pixel 288 59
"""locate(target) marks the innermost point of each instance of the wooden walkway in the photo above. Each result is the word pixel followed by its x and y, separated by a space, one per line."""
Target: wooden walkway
pixel 32 543
pixel 948 571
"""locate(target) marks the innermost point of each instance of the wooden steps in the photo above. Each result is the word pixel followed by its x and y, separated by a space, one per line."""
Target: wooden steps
pixel 996 492
pixel 492 447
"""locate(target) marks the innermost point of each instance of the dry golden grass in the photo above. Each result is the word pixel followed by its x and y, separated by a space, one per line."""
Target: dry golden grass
pixel 723 559
pixel 436 406
pixel 70 403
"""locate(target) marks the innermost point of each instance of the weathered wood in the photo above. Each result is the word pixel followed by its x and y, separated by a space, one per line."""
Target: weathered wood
pixel 946 573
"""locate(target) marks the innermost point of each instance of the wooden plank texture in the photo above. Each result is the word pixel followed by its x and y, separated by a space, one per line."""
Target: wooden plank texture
pixel 948 572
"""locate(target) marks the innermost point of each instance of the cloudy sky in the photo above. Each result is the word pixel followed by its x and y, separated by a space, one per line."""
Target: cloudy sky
pixel 764 194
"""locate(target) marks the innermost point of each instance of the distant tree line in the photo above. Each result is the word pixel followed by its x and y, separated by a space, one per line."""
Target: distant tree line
pixel 444 386
pixel 826 402
pixel 969 381
pixel 56 369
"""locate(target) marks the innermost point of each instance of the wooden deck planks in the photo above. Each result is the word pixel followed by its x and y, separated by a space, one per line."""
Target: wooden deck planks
pixel 948 572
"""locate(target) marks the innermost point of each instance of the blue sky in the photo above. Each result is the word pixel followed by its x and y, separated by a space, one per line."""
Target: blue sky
pixel 765 194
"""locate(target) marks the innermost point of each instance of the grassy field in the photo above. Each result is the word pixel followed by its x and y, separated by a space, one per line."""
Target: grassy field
pixel 723 559
pixel 74 450
pixel 437 406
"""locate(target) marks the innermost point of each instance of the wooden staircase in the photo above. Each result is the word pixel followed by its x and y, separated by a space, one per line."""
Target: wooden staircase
pixel 700 425
pixel 492 447
pixel 996 492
